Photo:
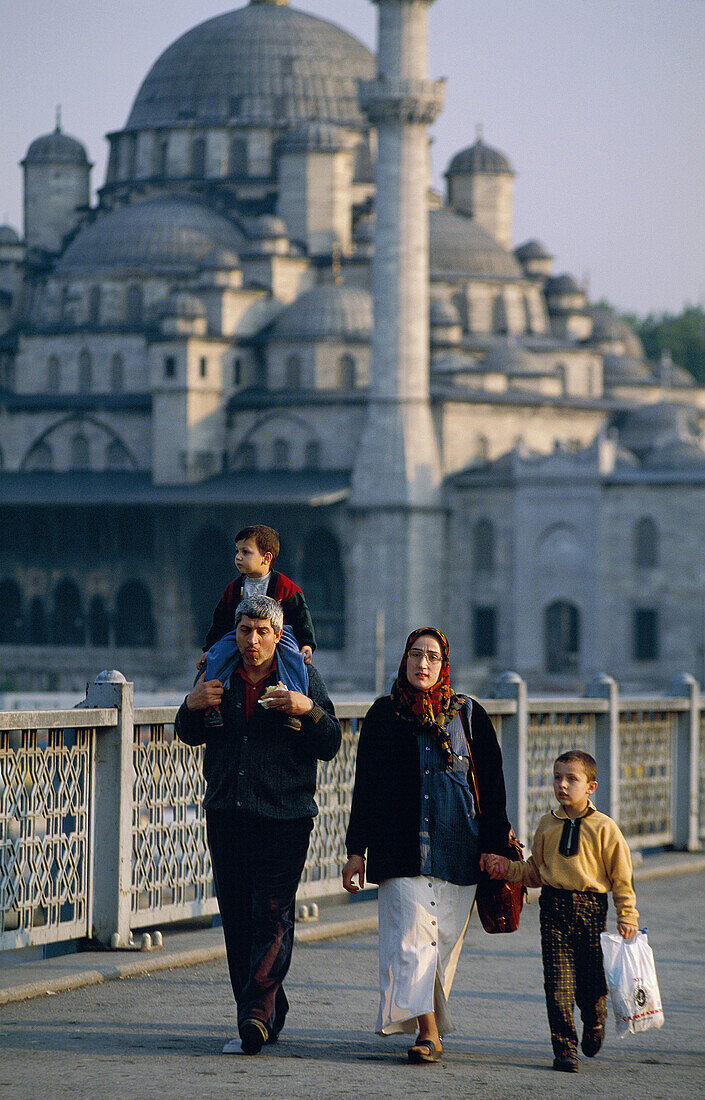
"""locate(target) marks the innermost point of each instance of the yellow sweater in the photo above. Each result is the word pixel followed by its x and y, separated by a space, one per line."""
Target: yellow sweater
pixel 602 863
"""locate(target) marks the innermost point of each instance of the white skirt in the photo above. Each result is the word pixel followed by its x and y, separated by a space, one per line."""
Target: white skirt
pixel 422 923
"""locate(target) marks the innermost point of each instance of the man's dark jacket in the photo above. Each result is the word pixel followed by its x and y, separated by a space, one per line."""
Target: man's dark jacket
pixel 262 767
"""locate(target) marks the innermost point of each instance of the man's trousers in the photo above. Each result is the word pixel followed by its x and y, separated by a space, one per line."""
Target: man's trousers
pixel 257 865
pixel 573 973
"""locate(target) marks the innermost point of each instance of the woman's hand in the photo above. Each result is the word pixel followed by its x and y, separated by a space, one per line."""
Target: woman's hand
pixel 354 866
pixel 627 930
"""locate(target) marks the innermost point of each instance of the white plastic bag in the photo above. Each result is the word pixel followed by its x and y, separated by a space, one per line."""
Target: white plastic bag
pixel 631 980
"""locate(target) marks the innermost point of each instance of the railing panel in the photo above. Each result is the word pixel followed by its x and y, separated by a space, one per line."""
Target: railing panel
pixel 701 776
pixel 549 734
pixel 45 795
pixel 646 740
pixel 171 870
pixel 326 853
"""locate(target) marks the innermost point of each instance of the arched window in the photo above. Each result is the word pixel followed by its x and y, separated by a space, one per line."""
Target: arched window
pixel 53 374
pixel 134 624
pixel 116 456
pixel 117 374
pixel 281 454
pixel 67 625
pixel 245 457
pixel 562 637
pixel 85 372
pixel 323 581
pixel 80 453
pixel 198 158
pixel 210 570
pixel 483 547
pixel 499 315
pixel 312 455
pixel 94 305
pixel 161 153
pixel 346 372
pixel 238 157
pixel 292 372
pixel 98 622
pixel 133 304
pixel 40 457
pixel 645 540
pixel 482 448
pixel 237 372
pixel 37 623
pixel 11 617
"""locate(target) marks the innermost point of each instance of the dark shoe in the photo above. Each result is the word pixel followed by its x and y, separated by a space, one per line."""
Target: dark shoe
pixel 292 723
pixel 423 1052
pixel 568 1063
pixel 253 1034
pixel 212 717
pixel 592 1040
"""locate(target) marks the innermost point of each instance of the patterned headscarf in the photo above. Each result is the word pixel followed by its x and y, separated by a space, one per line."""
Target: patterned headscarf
pixel 435 706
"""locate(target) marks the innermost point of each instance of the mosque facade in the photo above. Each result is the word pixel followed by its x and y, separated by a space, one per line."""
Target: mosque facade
pixel 198 350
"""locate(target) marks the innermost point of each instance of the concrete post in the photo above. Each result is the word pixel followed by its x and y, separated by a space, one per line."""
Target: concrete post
pixel 111 835
pixel 686 755
pixel 607 744
pixel 510 685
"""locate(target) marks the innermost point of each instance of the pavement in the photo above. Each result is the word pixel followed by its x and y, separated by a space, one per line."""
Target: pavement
pixel 73 1026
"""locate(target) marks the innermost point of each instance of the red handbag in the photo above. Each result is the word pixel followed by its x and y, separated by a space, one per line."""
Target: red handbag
pixel 498 903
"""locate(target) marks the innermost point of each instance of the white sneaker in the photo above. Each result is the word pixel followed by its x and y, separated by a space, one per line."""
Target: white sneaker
pixel 233 1047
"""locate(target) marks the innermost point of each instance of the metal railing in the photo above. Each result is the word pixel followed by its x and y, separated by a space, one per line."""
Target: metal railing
pixel 101 813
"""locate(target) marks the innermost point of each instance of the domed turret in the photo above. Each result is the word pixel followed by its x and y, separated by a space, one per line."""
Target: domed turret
pixel 481 184
pixel 56 189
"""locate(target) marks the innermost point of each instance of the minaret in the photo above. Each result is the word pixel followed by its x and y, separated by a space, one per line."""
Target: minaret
pixel 396 478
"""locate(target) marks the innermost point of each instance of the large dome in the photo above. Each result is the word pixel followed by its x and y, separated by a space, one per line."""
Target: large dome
pixel 263 64
pixel 159 235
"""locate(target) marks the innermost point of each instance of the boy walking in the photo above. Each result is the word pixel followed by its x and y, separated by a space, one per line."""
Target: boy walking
pixel 578 856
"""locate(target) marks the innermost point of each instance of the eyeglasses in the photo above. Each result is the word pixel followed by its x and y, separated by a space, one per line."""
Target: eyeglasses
pixel 418 654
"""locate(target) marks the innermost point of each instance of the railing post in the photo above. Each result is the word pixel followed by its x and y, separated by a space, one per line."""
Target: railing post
pixel 686 779
pixel 510 685
pixel 607 743
pixel 111 835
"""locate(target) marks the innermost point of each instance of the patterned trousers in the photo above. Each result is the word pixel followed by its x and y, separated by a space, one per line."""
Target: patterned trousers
pixel 573 973
pixel 257 865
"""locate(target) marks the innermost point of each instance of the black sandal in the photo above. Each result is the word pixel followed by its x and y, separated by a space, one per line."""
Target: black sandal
pixel 420 1057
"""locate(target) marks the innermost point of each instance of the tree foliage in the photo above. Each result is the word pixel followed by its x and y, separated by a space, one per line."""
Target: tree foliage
pixel 682 334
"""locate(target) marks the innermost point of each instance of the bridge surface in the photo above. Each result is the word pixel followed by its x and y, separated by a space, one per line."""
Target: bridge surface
pixel 68 1030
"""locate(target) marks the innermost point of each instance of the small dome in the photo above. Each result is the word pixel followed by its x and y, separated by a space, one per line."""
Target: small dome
pixel 326 311
pixel 161 235
pixel 56 148
pixel 480 158
pixel 557 286
pixel 443 313
pixel 456 362
pixel 508 357
pixel 674 454
pixel 316 137
pixel 657 426
pixel 183 304
pixel 531 250
pixel 459 247
pixel 607 327
pixel 8 235
pixel 622 369
pixel 268 227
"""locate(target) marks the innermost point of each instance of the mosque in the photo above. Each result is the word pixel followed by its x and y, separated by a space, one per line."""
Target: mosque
pixel 198 350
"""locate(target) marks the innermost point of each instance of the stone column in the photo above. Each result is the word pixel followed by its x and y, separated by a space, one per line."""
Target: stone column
pixel 397 470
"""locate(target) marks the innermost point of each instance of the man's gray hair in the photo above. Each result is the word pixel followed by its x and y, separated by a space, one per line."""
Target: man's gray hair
pixel 261 607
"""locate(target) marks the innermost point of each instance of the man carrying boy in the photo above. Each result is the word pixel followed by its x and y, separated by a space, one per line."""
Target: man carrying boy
pixel 256 549
pixel 259 804
pixel 578 856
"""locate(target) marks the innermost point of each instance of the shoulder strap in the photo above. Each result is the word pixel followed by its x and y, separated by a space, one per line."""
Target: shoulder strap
pixel 465 713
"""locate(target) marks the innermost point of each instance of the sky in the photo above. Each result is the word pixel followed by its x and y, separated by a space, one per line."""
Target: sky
pixel 599 105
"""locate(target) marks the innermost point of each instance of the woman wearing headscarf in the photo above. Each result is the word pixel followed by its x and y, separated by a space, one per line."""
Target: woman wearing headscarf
pixel 415 830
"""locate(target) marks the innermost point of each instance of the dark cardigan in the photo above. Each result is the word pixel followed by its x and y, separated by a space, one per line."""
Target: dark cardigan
pixel 384 817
